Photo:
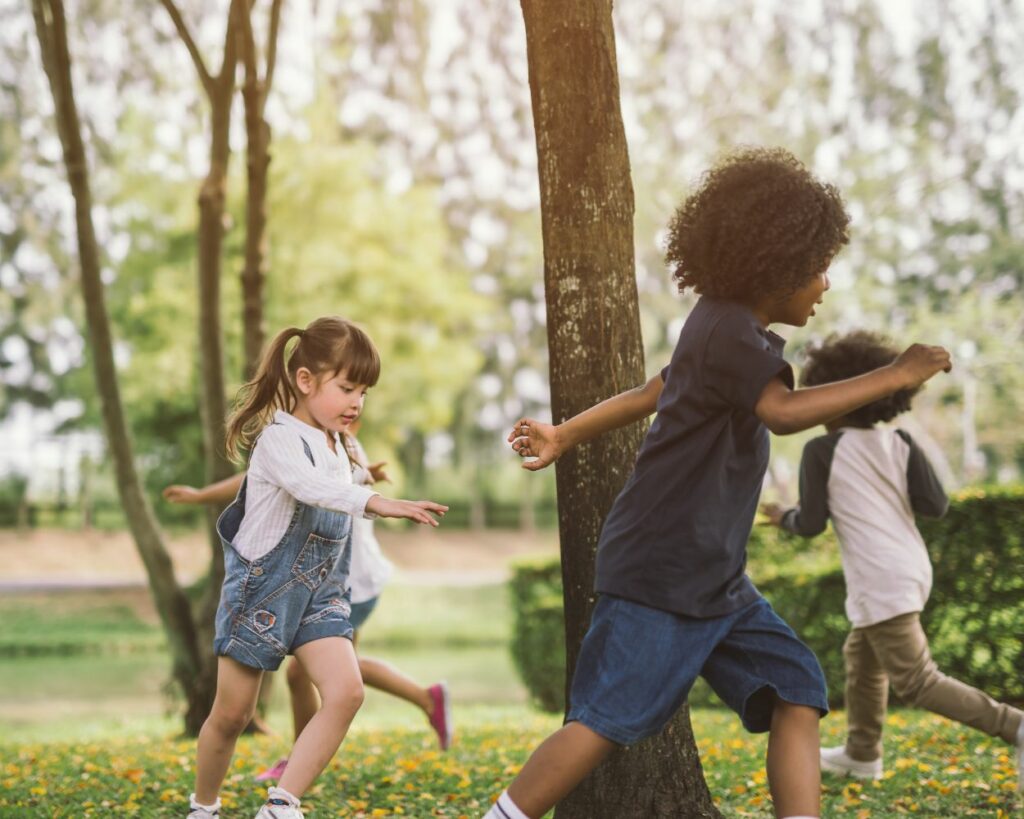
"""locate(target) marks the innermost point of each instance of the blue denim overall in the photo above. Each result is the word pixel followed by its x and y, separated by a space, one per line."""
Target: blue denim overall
pixel 295 593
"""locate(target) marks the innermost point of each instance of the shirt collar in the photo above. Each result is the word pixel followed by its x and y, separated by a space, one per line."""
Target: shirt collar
pixel 311 432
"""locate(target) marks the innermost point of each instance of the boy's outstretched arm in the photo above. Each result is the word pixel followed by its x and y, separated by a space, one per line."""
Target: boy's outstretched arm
pixel 546 442
pixel 809 517
pixel 785 411
pixel 220 492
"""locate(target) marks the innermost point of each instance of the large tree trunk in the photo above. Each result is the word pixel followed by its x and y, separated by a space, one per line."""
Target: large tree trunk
pixel 171 602
pixel 595 351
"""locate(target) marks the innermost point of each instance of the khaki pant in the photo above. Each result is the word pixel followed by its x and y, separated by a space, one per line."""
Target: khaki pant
pixel 896 651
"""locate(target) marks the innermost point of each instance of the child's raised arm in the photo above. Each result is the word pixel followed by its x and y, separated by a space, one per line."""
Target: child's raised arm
pixel 220 492
pixel 785 411
pixel 547 442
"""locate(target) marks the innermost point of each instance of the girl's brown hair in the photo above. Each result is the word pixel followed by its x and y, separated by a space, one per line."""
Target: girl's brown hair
pixel 327 345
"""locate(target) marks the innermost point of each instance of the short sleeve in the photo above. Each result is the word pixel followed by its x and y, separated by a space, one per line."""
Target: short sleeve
pixel 740 360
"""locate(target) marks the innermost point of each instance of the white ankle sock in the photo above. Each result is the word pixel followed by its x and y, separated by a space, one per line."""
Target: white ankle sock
pixel 505 808
pixel 193 804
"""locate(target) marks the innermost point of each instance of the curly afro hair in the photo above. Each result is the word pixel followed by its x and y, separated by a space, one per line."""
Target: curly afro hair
pixel 758 223
pixel 842 357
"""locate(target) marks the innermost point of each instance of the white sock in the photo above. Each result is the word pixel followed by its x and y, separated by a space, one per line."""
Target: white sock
pixel 274 792
pixel 505 808
pixel 194 805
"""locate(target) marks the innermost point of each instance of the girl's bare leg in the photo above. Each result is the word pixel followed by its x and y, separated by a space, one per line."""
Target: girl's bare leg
pixel 558 765
pixel 238 688
pixel 794 773
pixel 302 692
pixel 331 665
pixel 385 677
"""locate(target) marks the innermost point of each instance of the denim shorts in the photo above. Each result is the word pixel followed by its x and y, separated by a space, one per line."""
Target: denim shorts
pixel 637 665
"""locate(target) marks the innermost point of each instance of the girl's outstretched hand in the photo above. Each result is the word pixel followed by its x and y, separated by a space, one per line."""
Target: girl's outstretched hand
pixel 416 511
pixel 178 493
pixel 535 439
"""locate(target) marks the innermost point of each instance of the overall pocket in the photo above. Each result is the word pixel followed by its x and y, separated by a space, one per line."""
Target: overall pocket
pixel 316 560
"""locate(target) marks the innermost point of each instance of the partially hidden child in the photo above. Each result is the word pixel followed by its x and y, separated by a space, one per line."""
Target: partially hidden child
pixel 872 480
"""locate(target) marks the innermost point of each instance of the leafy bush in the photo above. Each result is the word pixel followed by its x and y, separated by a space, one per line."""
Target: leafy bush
pixel 974 619
pixel 538 635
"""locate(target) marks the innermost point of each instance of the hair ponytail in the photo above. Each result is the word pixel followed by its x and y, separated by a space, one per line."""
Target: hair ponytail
pixel 328 344
pixel 270 389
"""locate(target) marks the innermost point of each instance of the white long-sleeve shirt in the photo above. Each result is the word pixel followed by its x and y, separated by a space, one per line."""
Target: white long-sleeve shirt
pixel 871 483
pixel 369 571
pixel 280 473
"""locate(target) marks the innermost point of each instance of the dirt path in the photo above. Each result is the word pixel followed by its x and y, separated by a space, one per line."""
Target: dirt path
pixel 59 558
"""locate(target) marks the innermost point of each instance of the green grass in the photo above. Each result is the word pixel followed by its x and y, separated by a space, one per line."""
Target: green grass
pixel 935 769
pixel 122 621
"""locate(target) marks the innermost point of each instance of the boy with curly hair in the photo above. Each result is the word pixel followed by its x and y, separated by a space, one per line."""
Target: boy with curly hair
pixel 754 241
pixel 871 481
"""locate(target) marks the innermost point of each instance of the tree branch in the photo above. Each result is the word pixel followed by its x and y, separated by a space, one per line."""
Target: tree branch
pixel 275 25
pixel 190 44
pixel 238 15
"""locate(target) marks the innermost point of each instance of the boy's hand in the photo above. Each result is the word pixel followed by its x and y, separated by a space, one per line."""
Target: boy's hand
pixel 179 493
pixel 773 512
pixel 535 439
pixel 416 511
pixel 378 473
pixel 919 362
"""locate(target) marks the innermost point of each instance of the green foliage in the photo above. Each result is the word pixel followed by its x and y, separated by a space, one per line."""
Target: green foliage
pixel 12 496
pixel 538 637
pixel 974 619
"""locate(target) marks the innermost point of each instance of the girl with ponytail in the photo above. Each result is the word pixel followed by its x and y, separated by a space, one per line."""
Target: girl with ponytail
pixel 287 547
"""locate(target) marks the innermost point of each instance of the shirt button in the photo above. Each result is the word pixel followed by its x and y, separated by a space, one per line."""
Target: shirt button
pixel 258 571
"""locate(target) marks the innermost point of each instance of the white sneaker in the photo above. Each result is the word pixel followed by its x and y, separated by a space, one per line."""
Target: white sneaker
pixel 835 760
pixel 197 811
pixel 280 805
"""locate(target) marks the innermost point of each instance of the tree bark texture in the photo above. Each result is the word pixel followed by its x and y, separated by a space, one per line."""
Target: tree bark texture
pixel 596 351
pixel 171 602
pixel 254 273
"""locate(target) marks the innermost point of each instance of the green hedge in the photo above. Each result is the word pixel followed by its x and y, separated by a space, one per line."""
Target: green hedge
pixel 538 633
pixel 974 620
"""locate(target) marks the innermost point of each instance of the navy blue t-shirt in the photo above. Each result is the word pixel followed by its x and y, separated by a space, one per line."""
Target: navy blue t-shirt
pixel 676 537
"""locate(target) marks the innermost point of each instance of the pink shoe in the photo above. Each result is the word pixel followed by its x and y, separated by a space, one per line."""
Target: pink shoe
pixel 274 772
pixel 441 718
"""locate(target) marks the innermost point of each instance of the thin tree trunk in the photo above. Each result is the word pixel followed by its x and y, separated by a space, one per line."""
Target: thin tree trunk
pixel 254 94
pixel 220 90
pixel 171 602
pixel 595 351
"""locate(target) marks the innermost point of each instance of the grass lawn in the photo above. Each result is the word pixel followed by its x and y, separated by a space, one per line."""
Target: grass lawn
pixel 933 769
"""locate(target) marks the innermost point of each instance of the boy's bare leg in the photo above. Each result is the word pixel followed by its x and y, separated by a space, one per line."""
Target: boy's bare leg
pixel 303 696
pixel 331 664
pixel 558 765
pixel 238 688
pixel 794 774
